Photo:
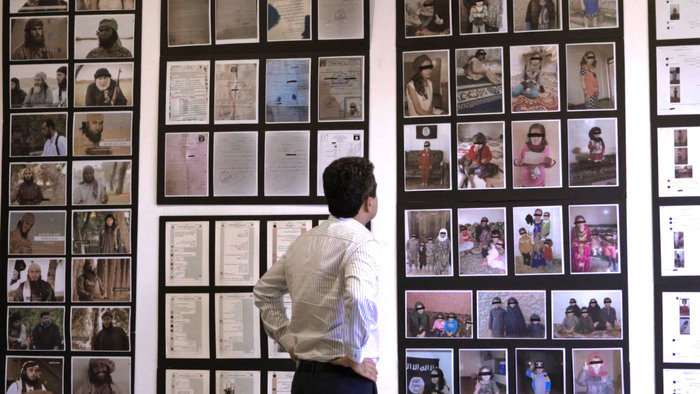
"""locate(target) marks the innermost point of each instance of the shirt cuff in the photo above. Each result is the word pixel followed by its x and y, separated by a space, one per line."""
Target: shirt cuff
pixel 355 355
pixel 287 341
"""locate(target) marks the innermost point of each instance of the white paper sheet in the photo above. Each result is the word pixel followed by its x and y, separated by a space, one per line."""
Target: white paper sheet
pixel 341 88
pixel 236 91
pixel 678 180
pixel 236 164
pixel 237 258
pixel 186 164
pixel 187 93
pixel 287 163
pixel 341 19
pixel 237 326
pixel 279 382
pixel 679 240
pixel 334 144
pixel 187 253
pixel 288 20
pixel 287 90
pixel 238 381
pixel 680 96
pixel 683 23
pixel 187 325
pixel 237 21
pixel 681 327
pixel 186 381
pixel 681 381
pixel 188 22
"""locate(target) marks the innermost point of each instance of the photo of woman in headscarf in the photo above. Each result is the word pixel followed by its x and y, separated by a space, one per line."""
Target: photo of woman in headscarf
pixel 515 321
pixel 442 253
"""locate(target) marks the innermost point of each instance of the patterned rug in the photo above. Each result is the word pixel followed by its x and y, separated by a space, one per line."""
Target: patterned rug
pixel 547 101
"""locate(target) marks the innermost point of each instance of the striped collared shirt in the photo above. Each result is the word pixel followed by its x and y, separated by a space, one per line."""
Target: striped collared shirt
pixel 330 273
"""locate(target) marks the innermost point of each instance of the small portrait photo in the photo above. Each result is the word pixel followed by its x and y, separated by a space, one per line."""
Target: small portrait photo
pixel 592 152
pixel 428 244
pixel 679 259
pixel 680 155
pixel 680 137
pixel 684 326
pixel 236 91
pixel 681 172
pixel 534 78
pixel 595 321
pixel 237 22
pixel 439 314
pixel 353 107
pixel 675 94
pixel 38 86
pixel 102 134
pixel 523 317
pixel 591 82
pixel 100 328
pixel 539 234
pixel 429 371
pixel 104 36
pixel 105 279
pixel 594 239
pixel 593 14
pixel 35 183
pixel 675 14
pixel 104 5
pixel 684 306
pixel 25 6
pixel 479 81
pixel 89 374
pixel 483 371
pixel 341 87
pixel 37 232
pixel 480 155
pixel 102 182
pixel 43 327
pixel 536 154
pixel 36 280
pixel 536 15
pixel 426 18
pixel 674 75
pixel 39 38
pixel 477 16
pixel 102 232
pixel 39 373
pixel 537 368
pixel 678 240
pixel 426 76
pixel 427 157
pixel 38 134
pixel 598 369
pixel 482 241
pixel 103 84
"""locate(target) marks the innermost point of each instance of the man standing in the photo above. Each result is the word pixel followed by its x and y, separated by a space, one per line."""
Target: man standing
pixel 88 285
pixel 19 237
pixel 109 43
pixel 29 379
pixel 110 336
pixel 90 191
pixel 39 95
pixel 60 95
pixel 34 45
pixel 46 335
pixel 17 95
pixel 331 275
pixel 99 378
pixel 34 288
pixel 425 162
pixel 55 144
pixel 104 91
pixel 27 192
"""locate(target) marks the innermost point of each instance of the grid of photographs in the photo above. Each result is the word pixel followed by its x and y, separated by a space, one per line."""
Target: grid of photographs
pixel 257 98
pixel 511 196
pixel 70 181
pixel 207 315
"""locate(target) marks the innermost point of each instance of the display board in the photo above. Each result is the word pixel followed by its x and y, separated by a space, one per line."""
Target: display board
pixel 257 98
pixel 69 197
pixel 511 184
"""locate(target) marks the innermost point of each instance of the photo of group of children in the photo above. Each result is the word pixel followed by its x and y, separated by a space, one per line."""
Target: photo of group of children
pixel 569 321
pixel 439 314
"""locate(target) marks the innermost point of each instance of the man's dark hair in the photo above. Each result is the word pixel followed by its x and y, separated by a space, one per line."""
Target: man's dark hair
pixel 49 123
pixel 45 313
pixel 347 183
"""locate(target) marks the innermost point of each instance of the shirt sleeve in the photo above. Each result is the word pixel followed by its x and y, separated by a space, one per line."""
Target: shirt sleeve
pixel 268 293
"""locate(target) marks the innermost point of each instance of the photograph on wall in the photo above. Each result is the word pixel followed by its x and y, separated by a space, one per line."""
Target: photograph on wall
pixel 341 20
pixel 104 5
pixel 592 145
pixel 236 163
pixel 186 164
pixel 37 233
pixel 102 134
pixel 237 252
pixel 598 369
pixel 186 329
pixel 523 317
pixel 536 154
pixel 104 279
pixel 237 21
pixel 38 183
pixel 439 314
pixel 674 21
pixel 288 20
pixel 23 6
pixel 597 14
pixel 429 370
pixel 101 231
pixel 341 88
pixel 334 144
pixel 36 280
pixel 287 90
pixel 482 241
pixel 678 240
pixel 41 134
pixel 595 321
pixel 40 373
pixel 188 22
pixel 595 236
pixel 483 371
pixel 479 81
pixel 428 246
pixel 539 234
pixel 489 16
pixel 104 36
pixel 39 85
pixel 426 19
pixel 39 38
pixel 426 77
pixel 243 381
pixel 237 326
pixel 103 85
pixel 43 326
pixel 681 98
pixel 281 234
pixel 591 82
pixel 480 155
pixel 187 92
pixel 102 182
pixel 103 329
pixel 540 371
pixel 279 382
pixel 534 78
pixel 678 180
pixel 236 91
pixel 536 15
pixel 89 374
pixel 287 163
pixel 427 157
pixel 187 253
pixel 187 380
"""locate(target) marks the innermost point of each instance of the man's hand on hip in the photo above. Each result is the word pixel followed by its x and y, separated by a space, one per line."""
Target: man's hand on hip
pixel 367 368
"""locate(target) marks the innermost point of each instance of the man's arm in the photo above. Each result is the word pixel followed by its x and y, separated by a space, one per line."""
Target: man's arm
pixel 268 293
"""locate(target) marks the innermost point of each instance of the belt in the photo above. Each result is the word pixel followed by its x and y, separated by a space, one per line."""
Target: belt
pixel 318 366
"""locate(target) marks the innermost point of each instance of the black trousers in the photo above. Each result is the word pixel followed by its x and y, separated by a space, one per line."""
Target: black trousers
pixel 313 377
